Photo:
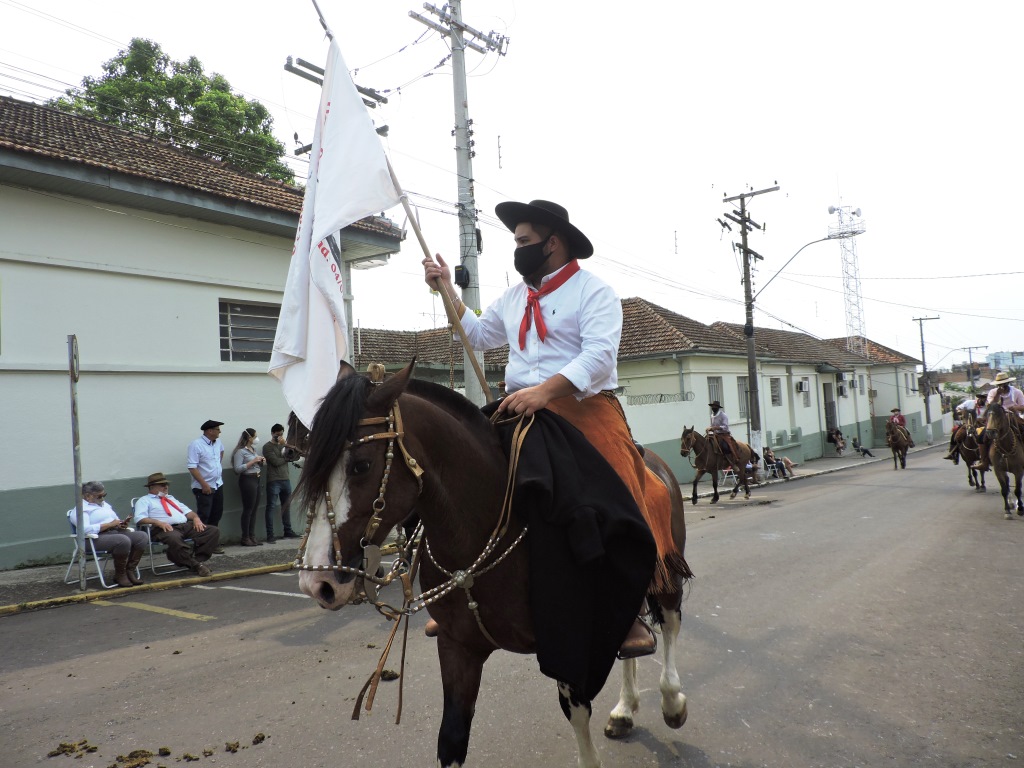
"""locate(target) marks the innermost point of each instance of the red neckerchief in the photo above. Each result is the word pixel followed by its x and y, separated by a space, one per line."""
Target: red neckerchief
pixel 533 302
pixel 165 501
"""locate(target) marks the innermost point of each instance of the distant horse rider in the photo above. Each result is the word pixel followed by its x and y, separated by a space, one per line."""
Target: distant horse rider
pixel 899 420
pixel 720 429
pixel 966 413
pixel 1012 400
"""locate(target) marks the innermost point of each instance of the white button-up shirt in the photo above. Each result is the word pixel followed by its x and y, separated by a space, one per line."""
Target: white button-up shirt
pixel 93 516
pixel 150 506
pixel 206 456
pixel 583 318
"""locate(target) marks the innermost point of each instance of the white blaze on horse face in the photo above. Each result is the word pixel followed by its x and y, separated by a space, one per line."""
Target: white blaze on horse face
pixel 320 546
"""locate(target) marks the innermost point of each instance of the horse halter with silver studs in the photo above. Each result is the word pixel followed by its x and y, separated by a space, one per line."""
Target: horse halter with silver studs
pixel 371 551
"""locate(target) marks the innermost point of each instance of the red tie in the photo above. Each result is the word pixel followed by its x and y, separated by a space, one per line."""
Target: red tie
pixel 533 302
pixel 167 502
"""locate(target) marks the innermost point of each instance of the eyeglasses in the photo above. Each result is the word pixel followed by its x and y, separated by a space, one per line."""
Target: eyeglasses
pixel 100 495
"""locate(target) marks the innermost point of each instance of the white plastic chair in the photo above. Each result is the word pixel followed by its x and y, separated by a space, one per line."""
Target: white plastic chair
pixel 770 470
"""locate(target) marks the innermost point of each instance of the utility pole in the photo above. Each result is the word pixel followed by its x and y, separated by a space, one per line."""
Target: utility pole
pixel 746 225
pixel 927 387
pixel 467 275
pixel 970 366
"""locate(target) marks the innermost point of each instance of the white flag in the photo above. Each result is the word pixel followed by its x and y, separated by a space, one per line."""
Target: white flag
pixel 348 180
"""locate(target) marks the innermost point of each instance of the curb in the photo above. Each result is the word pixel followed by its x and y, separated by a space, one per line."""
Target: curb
pixel 806 475
pixel 84 597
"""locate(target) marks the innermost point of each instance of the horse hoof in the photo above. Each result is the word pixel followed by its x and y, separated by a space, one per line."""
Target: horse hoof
pixel 677 720
pixel 714 500
pixel 1009 516
pixel 746 496
pixel 621 727
pixel 1020 512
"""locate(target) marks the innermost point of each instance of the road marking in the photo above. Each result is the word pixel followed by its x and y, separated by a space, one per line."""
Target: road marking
pixel 267 592
pixel 156 609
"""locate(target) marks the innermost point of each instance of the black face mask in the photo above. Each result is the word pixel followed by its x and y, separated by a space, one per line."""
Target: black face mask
pixel 530 258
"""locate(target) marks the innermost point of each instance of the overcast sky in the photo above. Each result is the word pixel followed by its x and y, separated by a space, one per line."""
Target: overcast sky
pixel 639 119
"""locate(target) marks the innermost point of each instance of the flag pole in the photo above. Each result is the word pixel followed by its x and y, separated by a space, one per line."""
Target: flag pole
pixel 449 305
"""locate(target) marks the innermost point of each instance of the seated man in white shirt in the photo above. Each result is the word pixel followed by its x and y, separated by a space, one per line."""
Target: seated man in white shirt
pixel 172 522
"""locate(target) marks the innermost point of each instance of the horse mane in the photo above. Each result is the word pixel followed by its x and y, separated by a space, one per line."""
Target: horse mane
pixel 338 417
pixel 334 425
pixel 458 406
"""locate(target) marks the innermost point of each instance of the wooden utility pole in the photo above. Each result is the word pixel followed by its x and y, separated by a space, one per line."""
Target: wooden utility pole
pixel 924 376
pixel 746 225
pixel 970 367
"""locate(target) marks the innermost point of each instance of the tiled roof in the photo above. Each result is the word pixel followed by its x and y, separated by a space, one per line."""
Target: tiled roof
pixel 798 347
pixel 877 352
pixel 648 329
pixel 49 133
pixel 431 347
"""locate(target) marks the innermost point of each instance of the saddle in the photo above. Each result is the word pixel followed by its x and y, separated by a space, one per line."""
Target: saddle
pixel 715 437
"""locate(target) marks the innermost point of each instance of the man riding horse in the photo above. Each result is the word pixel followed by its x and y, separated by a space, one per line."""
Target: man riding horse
pixel 720 429
pixel 898 420
pixel 562 325
pixel 1012 399
pixel 965 416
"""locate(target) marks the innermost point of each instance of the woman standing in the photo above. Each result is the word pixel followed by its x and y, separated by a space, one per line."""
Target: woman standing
pixel 112 534
pixel 247 463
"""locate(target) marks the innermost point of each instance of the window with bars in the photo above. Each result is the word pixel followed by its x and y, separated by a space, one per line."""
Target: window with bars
pixel 247 330
pixel 744 393
pixel 775 385
pixel 714 389
pixel 807 391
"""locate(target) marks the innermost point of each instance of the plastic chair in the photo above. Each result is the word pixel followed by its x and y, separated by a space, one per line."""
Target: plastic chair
pixel 163 568
pixel 770 469
pixel 728 473
pixel 99 559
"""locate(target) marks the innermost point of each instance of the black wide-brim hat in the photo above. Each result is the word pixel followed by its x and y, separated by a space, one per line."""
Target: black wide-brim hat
pixel 549 214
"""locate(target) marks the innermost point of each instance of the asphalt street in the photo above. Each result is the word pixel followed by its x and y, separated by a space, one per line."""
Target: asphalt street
pixel 858 618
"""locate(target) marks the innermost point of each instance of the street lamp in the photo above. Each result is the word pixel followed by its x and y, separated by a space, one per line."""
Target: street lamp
pixel 755 405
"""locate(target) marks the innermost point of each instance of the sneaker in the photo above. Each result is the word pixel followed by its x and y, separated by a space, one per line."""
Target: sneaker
pixel 291 535
pixel 202 570
pixel 219 551
pixel 271 540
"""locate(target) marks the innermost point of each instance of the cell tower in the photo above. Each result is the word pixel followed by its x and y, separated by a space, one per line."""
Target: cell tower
pixel 850 225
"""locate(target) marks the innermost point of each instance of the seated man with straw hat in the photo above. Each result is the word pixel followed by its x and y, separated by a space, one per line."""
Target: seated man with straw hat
pixel 172 523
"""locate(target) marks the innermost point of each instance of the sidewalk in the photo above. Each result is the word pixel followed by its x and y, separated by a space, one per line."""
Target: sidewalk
pixel 44 587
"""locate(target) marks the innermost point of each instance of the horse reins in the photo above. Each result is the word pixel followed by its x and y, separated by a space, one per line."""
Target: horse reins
pixel 403 568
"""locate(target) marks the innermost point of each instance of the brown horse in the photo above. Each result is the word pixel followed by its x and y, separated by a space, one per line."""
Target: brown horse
pixel 1006 454
pixel 898 439
pixel 381 452
pixel 970 452
pixel 708 459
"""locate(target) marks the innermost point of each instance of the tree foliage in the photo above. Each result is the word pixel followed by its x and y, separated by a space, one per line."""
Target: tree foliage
pixel 143 90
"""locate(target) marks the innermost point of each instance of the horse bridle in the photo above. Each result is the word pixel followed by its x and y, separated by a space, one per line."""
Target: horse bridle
pixel 403 567
pixel 698 453
pixel 371 550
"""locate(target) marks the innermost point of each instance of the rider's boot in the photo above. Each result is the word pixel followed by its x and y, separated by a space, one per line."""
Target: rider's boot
pixel 640 641
pixel 982 463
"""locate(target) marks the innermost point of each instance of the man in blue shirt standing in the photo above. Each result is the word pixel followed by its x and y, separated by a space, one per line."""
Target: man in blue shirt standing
pixel 205 464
